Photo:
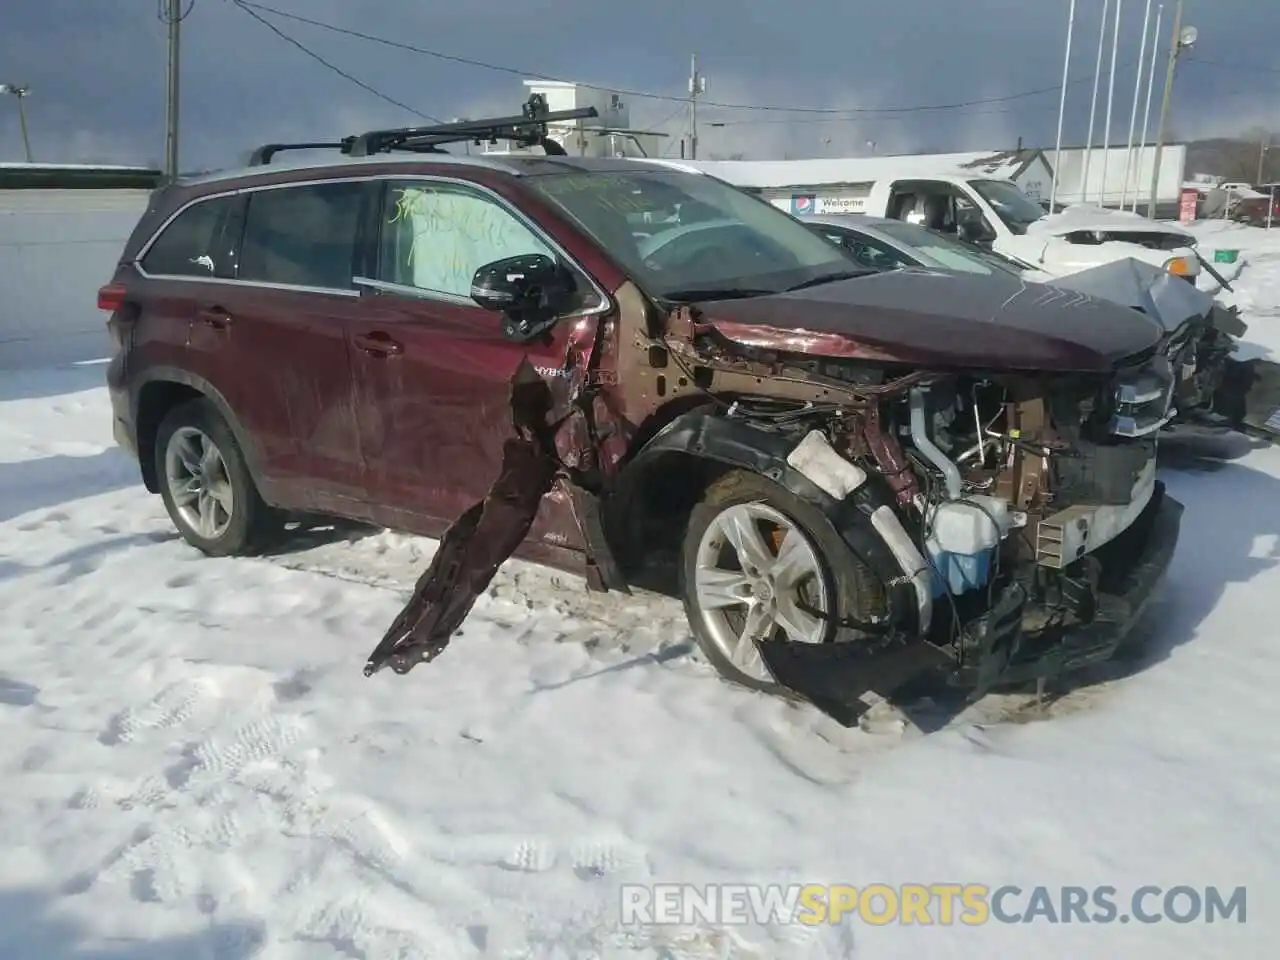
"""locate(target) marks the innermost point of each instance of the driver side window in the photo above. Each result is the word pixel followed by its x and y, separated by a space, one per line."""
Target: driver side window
pixel 436 235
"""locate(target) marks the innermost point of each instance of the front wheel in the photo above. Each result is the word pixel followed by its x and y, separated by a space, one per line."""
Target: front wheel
pixel 759 563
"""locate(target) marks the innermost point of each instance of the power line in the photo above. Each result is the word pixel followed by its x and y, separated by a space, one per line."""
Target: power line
pixel 325 63
pixel 1247 67
pixel 500 68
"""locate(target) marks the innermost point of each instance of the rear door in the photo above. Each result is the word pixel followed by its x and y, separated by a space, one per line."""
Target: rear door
pixel 274 341
pixel 190 259
pixel 432 369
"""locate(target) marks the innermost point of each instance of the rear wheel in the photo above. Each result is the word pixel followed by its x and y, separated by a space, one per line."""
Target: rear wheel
pixel 759 563
pixel 206 485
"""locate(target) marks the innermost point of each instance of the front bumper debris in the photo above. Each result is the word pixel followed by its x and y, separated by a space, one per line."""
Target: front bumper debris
pixel 998 648
pixel 836 677
pixel 1001 653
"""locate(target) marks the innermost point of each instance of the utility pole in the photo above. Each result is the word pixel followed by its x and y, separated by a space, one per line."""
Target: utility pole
pixel 1263 147
pixel 697 85
pixel 20 93
pixel 1182 39
pixel 173 17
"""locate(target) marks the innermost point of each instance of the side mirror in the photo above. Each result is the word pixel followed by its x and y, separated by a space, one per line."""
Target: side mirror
pixel 530 290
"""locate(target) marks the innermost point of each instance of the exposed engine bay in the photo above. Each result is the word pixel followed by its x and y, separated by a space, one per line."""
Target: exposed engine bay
pixel 1012 524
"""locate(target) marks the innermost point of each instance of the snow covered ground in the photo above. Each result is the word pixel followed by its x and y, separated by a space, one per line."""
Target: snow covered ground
pixel 193 765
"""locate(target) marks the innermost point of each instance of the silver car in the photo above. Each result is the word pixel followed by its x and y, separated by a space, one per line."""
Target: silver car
pixel 885 244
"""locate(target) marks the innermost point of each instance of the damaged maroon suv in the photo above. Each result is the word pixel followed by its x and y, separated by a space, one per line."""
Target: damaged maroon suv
pixel 853 480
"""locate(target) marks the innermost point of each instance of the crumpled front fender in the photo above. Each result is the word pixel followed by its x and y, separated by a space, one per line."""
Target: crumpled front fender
pixel 741 444
pixel 834 677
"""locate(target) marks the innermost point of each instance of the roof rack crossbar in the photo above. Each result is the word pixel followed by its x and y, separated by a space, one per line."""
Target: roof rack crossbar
pixel 528 129
pixel 263 154
pixel 429 142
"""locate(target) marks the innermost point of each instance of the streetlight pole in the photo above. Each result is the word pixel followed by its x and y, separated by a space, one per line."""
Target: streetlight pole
pixel 20 93
pixel 1183 39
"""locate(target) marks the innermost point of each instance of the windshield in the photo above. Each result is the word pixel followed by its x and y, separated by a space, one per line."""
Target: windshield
pixel 1015 208
pixel 944 251
pixel 682 233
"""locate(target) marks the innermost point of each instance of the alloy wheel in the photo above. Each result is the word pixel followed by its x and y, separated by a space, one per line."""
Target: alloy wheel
pixel 758 576
pixel 198 482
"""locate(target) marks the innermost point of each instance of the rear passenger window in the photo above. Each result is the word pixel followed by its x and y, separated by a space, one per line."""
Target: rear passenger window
pixel 192 245
pixel 302 236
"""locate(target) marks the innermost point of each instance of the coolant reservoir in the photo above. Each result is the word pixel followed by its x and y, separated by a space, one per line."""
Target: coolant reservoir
pixel 963 537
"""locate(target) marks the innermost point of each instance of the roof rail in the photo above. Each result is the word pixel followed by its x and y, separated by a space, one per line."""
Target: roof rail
pixel 527 129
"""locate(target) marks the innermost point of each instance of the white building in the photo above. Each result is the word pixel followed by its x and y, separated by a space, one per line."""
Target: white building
pixel 842 185
pixel 1107 183
pixel 62 229
pixel 608 135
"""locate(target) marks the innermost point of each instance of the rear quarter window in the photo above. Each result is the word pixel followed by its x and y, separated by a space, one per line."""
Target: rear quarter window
pixel 191 245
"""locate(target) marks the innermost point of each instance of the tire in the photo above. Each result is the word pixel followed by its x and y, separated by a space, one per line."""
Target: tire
pixel 839 582
pixel 242 521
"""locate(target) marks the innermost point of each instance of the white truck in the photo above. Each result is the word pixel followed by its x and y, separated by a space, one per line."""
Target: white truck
pixel 996 214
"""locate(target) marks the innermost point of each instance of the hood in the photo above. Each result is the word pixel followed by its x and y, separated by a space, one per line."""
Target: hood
pixel 941 320
pixel 1085 217
pixel 1160 295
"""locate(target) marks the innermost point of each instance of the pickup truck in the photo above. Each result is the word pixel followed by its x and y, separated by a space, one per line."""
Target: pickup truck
pixel 994 213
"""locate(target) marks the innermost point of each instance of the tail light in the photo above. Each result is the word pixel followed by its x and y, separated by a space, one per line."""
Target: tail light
pixel 111 297
pixel 113 300
pixel 1180 266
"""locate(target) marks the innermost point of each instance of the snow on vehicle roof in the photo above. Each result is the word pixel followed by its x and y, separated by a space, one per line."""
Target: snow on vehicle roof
pixel 1083 216
pixel 1001 164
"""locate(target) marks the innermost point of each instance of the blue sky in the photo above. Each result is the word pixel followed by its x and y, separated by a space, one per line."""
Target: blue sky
pixel 96 69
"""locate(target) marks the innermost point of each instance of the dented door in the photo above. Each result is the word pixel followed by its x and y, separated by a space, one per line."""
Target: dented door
pixel 432 369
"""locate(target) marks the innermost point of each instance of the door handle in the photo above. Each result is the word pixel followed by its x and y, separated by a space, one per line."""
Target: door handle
pixel 215 317
pixel 378 344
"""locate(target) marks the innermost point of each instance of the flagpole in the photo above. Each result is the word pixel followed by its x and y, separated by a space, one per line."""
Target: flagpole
pixel 1133 114
pixel 1111 97
pixel 1146 113
pixel 1093 102
pixel 1062 104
